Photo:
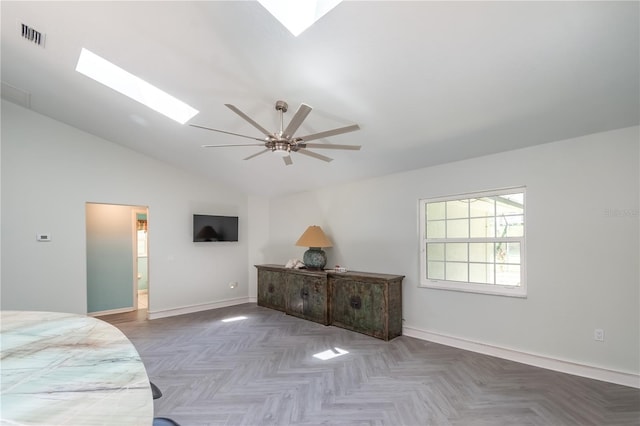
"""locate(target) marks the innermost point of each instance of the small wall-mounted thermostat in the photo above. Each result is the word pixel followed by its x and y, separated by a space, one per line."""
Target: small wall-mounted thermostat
pixel 43 237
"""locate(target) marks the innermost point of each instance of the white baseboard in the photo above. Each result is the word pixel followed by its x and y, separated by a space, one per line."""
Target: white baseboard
pixel 110 312
pixel 591 372
pixel 196 308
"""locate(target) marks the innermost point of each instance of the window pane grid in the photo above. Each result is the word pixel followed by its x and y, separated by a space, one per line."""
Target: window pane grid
pixel 448 259
pixel 475 239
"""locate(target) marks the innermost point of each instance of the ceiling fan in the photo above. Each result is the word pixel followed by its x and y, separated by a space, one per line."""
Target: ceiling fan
pixel 284 141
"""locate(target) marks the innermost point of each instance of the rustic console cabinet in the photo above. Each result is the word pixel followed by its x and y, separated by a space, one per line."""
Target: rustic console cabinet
pixel 364 302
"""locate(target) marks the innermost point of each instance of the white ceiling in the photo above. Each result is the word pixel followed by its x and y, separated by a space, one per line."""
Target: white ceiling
pixel 428 82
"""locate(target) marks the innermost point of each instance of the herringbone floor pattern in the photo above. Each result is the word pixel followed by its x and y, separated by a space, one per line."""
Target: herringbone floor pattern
pixel 261 371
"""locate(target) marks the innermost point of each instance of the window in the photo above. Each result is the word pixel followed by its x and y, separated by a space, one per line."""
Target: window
pixel 474 242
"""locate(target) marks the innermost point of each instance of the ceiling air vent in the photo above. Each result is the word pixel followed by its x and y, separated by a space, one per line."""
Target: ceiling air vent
pixel 32 35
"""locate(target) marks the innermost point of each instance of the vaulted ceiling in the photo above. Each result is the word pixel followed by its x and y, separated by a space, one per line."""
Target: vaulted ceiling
pixel 428 82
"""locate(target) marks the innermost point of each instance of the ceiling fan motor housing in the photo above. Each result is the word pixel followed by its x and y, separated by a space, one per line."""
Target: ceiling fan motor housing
pixel 282 106
pixel 281 145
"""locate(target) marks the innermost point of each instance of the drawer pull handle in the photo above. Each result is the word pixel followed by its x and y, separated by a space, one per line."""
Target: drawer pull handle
pixel 355 302
pixel 304 293
pixel 271 288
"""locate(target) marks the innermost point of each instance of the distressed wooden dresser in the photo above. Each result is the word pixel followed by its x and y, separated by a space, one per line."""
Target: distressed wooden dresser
pixel 364 302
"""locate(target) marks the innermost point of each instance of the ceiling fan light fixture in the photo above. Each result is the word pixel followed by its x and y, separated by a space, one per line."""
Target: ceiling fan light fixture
pixel 114 77
pixel 298 15
pixel 281 148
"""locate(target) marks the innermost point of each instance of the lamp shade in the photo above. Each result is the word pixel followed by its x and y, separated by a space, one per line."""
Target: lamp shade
pixel 314 237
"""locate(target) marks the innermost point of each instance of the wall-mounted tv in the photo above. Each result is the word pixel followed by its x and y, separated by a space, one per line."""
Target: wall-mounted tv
pixel 214 228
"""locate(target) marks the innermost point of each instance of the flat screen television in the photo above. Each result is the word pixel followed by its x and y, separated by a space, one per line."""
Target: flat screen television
pixel 214 228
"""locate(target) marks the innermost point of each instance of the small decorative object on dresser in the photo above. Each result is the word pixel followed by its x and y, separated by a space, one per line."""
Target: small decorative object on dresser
pixel 359 301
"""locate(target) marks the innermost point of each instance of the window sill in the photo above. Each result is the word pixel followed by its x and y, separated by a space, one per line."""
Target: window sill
pixel 494 290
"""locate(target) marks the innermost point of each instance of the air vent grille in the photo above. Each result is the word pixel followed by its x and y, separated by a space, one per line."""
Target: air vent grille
pixel 32 35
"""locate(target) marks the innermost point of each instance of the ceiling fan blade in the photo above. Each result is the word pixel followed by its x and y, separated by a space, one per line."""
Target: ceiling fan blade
pixel 330 146
pixel 328 133
pixel 287 160
pixel 314 155
pixel 256 154
pixel 235 144
pixel 248 119
pixel 228 133
pixel 297 120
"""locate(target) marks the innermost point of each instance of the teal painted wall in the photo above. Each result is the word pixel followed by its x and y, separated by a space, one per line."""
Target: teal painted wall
pixel 109 257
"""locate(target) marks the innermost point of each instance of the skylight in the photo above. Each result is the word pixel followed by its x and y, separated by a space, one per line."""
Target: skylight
pixel 116 78
pixel 298 15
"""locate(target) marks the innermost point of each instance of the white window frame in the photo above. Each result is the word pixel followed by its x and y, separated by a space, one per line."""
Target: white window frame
pixel 465 286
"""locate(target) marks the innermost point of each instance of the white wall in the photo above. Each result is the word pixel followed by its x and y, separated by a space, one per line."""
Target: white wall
pixel 582 235
pixel 582 256
pixel 258 241
pixel 49 172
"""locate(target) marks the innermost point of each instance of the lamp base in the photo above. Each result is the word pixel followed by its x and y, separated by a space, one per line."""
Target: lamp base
pixel 314 258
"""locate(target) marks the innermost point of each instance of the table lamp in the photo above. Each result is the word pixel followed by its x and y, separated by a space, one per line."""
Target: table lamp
pixel 314 238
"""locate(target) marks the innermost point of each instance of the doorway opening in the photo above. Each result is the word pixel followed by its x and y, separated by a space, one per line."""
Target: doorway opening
pixel 117 259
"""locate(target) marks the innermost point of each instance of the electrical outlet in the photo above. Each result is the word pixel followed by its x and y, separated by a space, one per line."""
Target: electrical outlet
pixel 598 334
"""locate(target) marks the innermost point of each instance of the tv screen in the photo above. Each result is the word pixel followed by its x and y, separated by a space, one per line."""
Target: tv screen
pixel 214 228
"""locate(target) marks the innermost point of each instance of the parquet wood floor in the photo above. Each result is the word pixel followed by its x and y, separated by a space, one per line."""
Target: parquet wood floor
pixel 261 371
